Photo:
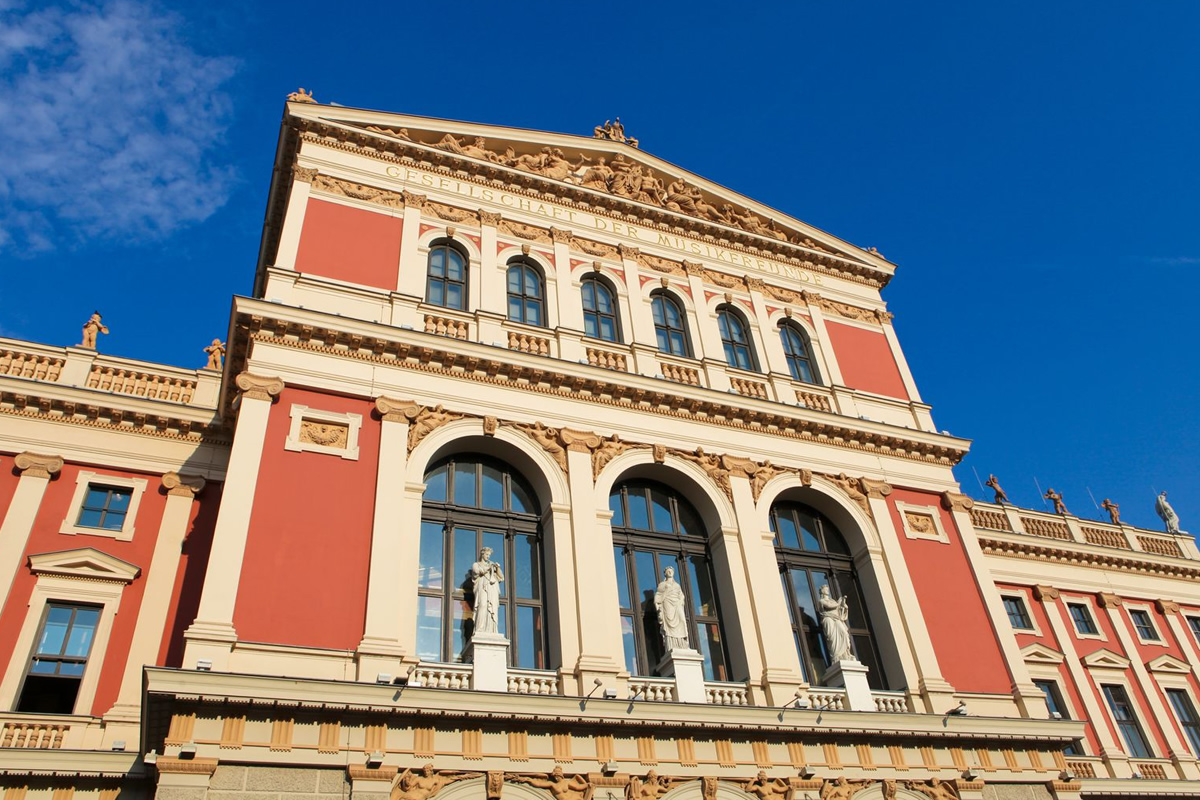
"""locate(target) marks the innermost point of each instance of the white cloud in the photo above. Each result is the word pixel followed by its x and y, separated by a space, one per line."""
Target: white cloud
pixel 112 124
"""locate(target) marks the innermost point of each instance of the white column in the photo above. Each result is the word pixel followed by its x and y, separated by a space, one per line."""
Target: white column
pixel 906 375
pixel 18 521
pixel 156 598
pixel 915 650
pixel 293 218
pixel 1028 697
pixel 763 614
pixel 392 581
pixel 824 348
pixel 212 635
pixel 410 271
pixel 1176 749
pixel 1170 611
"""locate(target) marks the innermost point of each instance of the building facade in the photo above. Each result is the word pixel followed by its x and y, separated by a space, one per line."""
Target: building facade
pixel 503 405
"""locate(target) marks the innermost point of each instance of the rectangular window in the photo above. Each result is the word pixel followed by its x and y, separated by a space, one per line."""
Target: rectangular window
pixel 1018 616
pixel 1057 709
pixel 59 659
pixel 1122 711
pixel 1194 624
pixel 1143 625
pixel 1186 712
pixel 104 507
pixel 1081 615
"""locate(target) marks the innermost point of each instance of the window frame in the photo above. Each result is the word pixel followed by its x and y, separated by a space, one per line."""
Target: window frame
pixel 299 414
pixel 1019 598
pixel 786 326
pixel 665 329
pixel 727 317
pixel 510 524
pixel 1085 607
pixel 1054 696
pixel 600 283
pixel 680 545
pixel 1134 722
pixel 451 246
pixel 1191 729
pixel 86 479
pixel 528 267
pixel 1133 611
pixel 1194 626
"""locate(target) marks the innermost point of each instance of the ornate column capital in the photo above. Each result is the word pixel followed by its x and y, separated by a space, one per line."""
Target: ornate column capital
pixel 304 174
pixel 413 199
pixel 956 501
pixel 579 441
pixel 560 235
pixel 875 488
pixel 692 268
pixel 489 218
pixel 628 252
pixel 1166 606
pixel 258 387
pixel 1042 592
pixel 37 465
pixel 1108 600
pixel 395 410
pixel 183 485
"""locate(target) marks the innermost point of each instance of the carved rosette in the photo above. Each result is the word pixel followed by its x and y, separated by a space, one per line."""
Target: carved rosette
pixel 258 387
pixel 37 465
pixel 182 485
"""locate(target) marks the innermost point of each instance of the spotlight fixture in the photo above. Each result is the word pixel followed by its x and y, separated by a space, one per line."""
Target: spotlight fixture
pixel 187 751
pixel 204 664
pixel 408 680
pixel 610 693
pixel 959 710
pixel 383 677
pixel 969 774
pixel 375 760
pixel 596 684
pixel 118 746
pixel 609 768
pixel 1066 776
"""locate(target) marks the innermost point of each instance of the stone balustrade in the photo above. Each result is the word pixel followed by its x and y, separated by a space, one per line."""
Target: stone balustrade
pixel 34 735
pixel 528 343
pixel 141 384
pixel 442 676
pixel 826 699
pixel 748 388
pixel 22 363
pixel 607 359
pixel 817 402
pixel 532 681
pixel 447 326
pixel 727 694
pixel 653 689
pixel 680 374
pixel 891 702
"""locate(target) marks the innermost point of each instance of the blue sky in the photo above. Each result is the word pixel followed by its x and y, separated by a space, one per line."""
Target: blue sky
pixel 1032 168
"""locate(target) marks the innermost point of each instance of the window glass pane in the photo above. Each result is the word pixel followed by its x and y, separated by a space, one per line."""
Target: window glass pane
pixel 638 515
pixel 459 633
pixel 785 529
pixel 493 487
pixel 677 344
pixel 71 669
pixel 464 556
pixel 664 340
pixel 514 280
pixel 590 325
pixel 435 485
pixel 804 597
pixel 529 638
pixel 437 262
pixel 834 543
pixel 658 310
pixel 514 309
pixel 791 607
pixel 525 580
pixel 429 570
pixel 714 655
pixel 647 580
pixel 95 497
pixel 614 505
pixel 89 518
pixel 630 644
pixel 808 533
pixel 519 499
pixel 703 600
pixel 587 290
pixel 503 619
pixel 464 484
pixel 454 296
pixel 54 634
pixel 118 499
pixel 429 628
pixel 79 642
pixel 454 266
pixel 436 293
pixel 622 577
pixel 661 504
pixel 533 283
pixel 43 667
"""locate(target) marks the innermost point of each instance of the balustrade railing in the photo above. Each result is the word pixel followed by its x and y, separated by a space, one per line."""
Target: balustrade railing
pixel 447 326
pixel 727 694
pixel 33 735
pixel 530 681
pixel 607 359
pixel 890 702
pixel 141 384
pixel 528 343
pixel 23 364
pixel 442 676
pixel 652 689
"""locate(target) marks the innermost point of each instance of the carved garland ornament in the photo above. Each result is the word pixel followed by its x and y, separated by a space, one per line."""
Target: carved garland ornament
pixel 357 191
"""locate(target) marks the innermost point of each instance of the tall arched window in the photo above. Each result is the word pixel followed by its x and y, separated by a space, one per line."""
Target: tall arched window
pixel 812 554
pixel 526 294
pixel 655 528
pixel 669 326
pixel 472 502
pixel 798 353
pixel 735 338
pixel 599 310
pixel 447 276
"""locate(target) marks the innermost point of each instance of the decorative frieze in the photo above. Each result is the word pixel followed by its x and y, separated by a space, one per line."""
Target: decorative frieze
pixel 528 232
pixel 357 191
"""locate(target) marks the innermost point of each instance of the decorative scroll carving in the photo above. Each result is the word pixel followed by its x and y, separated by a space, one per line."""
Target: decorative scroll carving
pixel 182 485
pixel 846 310
pixel 708 787
pixel 548 438
pixel 325 434
pixel 358 191
pixel 423 421
pixel 579 441
pixel 560 236
pixel 783 295
pixel 304 174
pixel 755 284
pixel 661 264
pixel 424 784
pixel 258 387
pixel 692 268
pixel 36 465
pixel 875 488
pixel 593 248
pixel 451 213
pixel 723 280
pixel 490 424
pixel 522 231
pixel 393 410
pixel 1043 592
pixel 628 251
pixel 955 501
pixel 1109 600
pixel 921 524
pixel 1166 606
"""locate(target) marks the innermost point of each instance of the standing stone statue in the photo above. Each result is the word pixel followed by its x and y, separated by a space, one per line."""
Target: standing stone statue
pixel 835 617
pixel 668 601
pixel 215 351
pixel 994 482
pixel 1114 511
pixel 1054 497
pixel 1166 513
pixel 486 577
pixel 90 329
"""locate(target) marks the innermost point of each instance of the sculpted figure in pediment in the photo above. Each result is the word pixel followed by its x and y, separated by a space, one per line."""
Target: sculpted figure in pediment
pixel 597 176
pixel 679 197
pixel 556 165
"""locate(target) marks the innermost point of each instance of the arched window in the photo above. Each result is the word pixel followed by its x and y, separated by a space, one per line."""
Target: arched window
pixel 447 276
pixel 811 554
pixel 655 528
pixel 472 502
pixel 735 338
pixel 526 294
pixel 599 310
pixel 798 353
pixel 669 326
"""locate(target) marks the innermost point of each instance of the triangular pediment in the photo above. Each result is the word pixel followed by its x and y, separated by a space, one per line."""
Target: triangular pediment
pixel 1041 654
pixel 85 562
pixel 1170 665
pixel 1106 659
pixel 612 170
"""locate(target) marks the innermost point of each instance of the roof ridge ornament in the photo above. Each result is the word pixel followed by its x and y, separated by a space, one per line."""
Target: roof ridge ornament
pixel 300 96
pixel 613 131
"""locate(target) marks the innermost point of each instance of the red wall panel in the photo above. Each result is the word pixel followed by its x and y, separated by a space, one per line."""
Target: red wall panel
pixel 350 244
pixel 304 578
pixel 9 476
pixel 967 649
pixel 189 578
pixel 866 360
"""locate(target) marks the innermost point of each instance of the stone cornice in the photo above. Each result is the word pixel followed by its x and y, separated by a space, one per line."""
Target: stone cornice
pixel 1044 550
pixel 528 184
pixel 111 412
pixel 481 364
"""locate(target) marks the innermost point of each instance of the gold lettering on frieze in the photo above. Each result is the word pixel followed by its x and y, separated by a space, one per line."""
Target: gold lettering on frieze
pixel 582 219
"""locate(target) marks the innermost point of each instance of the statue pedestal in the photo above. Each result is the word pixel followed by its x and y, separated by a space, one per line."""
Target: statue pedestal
pixel 687 667
pixel 488 654
pixel 852 675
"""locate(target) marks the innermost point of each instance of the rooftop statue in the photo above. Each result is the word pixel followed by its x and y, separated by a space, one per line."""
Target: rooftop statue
pixel 1166 513
pixel 1114 511
pixel 216 351
pixel 90 329
pixel 1054 497
pixel 301 96
pixel 613 131
pixel 1001 495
